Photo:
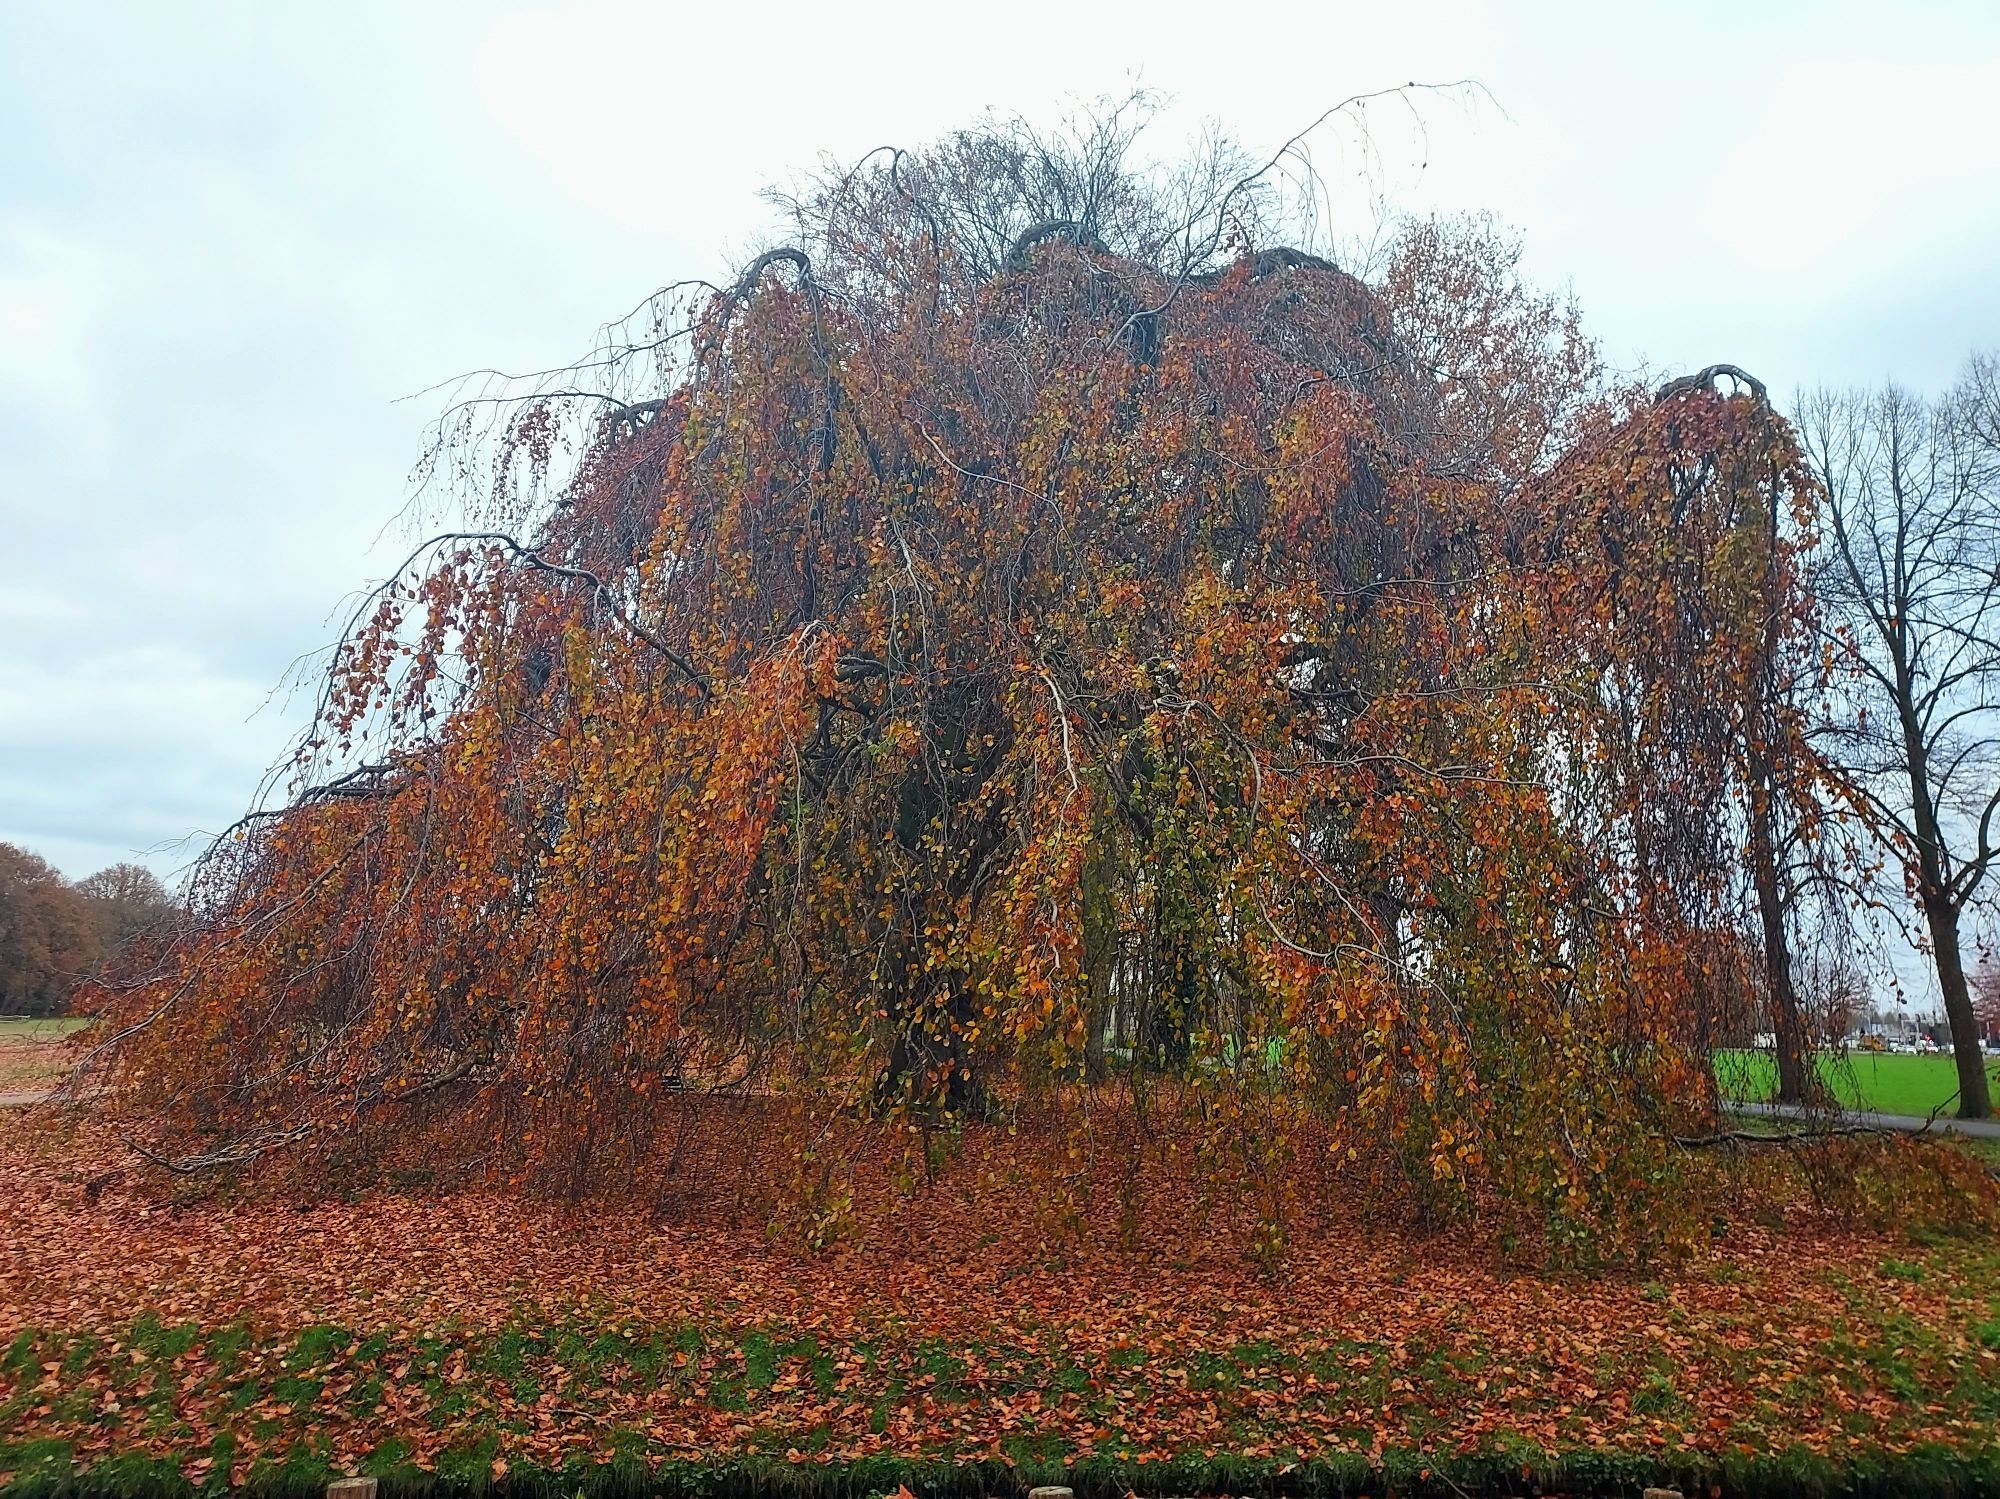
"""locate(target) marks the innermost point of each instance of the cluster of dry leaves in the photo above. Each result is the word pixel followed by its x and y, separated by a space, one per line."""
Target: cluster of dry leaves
pixel 233 1331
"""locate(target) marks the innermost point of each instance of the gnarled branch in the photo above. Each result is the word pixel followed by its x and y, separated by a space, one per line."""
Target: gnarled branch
pixel 1081 235
pixel 1705 379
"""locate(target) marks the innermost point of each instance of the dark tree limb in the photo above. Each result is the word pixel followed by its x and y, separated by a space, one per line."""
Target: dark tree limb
pixel 634 416
pixel 1786 1137
pixel 603 590
pixel 234 1155
pixel 754 272
pixel 1705 379
pixel 1022 250
pixel 1269 263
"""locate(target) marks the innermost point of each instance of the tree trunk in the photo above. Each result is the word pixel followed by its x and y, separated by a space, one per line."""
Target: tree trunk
pixel 1941 916
pixel 1974 1099
pixel 1796 1084
pixel 1100 950
pixel 1798 1081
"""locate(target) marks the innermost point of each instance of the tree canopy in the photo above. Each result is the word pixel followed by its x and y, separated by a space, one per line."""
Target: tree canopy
pixel 1037 631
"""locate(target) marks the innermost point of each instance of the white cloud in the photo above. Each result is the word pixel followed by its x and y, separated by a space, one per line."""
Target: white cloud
pixel 52 291
pixel 666 119
pixel 1863 166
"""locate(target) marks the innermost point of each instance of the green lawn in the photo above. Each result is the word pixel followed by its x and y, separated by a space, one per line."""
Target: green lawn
pixel 33 1028
pixel 1884 1082
pixel 32 1055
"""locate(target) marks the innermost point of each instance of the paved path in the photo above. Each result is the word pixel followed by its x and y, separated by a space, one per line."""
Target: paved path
pixel 1909 1124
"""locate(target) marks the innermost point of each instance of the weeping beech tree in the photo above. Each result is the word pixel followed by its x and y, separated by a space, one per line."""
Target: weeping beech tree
pixel 1034 627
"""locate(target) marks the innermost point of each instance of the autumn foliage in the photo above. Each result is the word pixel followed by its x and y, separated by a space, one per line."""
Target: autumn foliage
pixel 1002 658
pixel 54 933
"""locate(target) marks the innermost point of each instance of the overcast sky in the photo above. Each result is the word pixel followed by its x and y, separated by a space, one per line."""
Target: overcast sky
pixel 231 236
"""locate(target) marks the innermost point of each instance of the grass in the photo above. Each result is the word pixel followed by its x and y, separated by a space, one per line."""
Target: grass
pixel 1884 1082
pixel 155 1343
pixel 39 1029
pixel 775 1412
pixel 32 1055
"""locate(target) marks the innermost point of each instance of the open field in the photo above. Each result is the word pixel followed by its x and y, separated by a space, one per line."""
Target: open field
pixel 474 1333
pixel 36 1029
pixel 1887 1083
pixel 32 1053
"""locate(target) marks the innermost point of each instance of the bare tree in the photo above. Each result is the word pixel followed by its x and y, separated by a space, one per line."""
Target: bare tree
pixel 1910 580
pixel 128 902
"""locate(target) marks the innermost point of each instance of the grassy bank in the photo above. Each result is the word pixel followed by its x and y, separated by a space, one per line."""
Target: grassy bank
pixel 546 1388
pixel 38 1029
pixel 1884 1082
pixel 154 1339
pixel 545 1408
pixel 33 1054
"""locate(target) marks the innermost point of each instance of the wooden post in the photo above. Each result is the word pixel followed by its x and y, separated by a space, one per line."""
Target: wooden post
pixel 351 1488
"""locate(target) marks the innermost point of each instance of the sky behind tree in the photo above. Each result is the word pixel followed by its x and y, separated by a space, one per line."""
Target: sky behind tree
pixel 232 236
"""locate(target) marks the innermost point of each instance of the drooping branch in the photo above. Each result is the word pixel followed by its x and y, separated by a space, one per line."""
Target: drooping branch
pixel 1022 250
pixel 1783 1137
pixel 240 1154
pixel 633 416
pixel 1705 379
pixel 363 783
pixel 754 272
pixel 715 327
pixel 1269 263
pixel 605 593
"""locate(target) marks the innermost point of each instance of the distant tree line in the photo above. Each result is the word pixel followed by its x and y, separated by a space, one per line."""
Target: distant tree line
pixel 55 932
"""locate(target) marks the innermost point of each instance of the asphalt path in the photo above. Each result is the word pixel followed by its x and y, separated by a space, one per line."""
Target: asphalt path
pixel 1909 1124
